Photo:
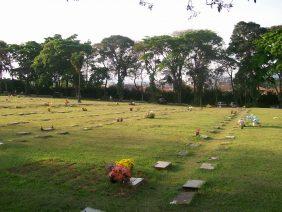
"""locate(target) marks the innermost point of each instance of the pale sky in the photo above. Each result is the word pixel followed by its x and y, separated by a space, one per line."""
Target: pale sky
pixel 24 20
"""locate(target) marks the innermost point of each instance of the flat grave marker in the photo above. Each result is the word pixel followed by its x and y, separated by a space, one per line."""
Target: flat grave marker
pixel 207 166
pixel 182 153
pixel 44 136
pixel 183 198
pixel 230 137
pixel 162 165
pixel 63 133
pixel 23 133
pixel 213 158
pixel 88 209
pixel 193 184
pixel 135 181
pixel 194 145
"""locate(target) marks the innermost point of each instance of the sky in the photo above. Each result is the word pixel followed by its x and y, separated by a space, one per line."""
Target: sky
pixel 25 20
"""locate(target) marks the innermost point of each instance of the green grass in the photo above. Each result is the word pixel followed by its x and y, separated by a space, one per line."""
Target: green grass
pixel 67 172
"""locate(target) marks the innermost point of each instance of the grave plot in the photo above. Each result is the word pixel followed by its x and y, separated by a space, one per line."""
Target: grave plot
pixel 183 198
pixel 63 133
pixel 193 184
pixel 230 136
pixel 133 181
pixel 213 158
pixel 182 153
pixel 162 165
pixel 88 209
pixel 43 136
pixel 23 133
pixel 207 166
pixel 47 129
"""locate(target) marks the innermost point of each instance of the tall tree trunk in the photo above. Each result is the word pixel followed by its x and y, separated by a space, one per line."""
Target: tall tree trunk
pixel 120 86
pixel 78 89
pixel 280 90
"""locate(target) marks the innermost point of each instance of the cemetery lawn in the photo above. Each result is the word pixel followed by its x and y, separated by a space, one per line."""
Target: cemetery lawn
pixel 67 172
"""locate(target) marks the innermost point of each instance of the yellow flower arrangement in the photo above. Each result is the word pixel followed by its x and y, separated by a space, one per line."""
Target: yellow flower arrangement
pixel 128 163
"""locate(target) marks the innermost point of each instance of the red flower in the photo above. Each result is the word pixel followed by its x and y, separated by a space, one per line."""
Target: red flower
pixel 119 174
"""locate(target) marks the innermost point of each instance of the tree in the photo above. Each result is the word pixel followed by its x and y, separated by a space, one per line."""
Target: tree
pixel 242 46
pixel 175 52
pixel 5 59
pixel 118 57
pixel 77 60
pixel 150 51
pixel 204 48
pixel 24 56
pixel 269 48
pixel 228 65
pixel 54 61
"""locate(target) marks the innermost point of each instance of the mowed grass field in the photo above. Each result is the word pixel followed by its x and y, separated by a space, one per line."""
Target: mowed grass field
pixel 67 172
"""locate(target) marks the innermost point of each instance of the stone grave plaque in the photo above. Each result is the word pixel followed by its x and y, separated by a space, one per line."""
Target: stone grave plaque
pixel 87 128
pixel 1 143
pixel 63 133
pixel 183 198
pixel 134 181
pixel 162 165
pixel 204 137
pixel 194 144
pixel 182 153
pixel 213 158
pixel 207 166
pixel 44 136
pixel 193 184
pixel 230 137
pixel 23 133
pixel 48 129
pixel 225 143
pixel 88 209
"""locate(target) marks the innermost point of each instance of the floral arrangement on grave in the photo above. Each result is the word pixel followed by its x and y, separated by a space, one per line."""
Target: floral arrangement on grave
pixel 253 119
pixel 84 109
pixel 150 115
pixel 208 106
pixel 197 131
pixel 190 108
pixel 121 171
pixel 241 123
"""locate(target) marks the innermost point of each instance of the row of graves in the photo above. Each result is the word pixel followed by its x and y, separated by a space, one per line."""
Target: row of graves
pixel 120 172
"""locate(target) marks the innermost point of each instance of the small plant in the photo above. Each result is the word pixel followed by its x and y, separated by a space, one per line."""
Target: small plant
pixel 197 132
pixel 150 115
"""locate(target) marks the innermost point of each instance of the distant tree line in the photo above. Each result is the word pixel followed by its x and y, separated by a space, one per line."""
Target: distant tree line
pixel 252 61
